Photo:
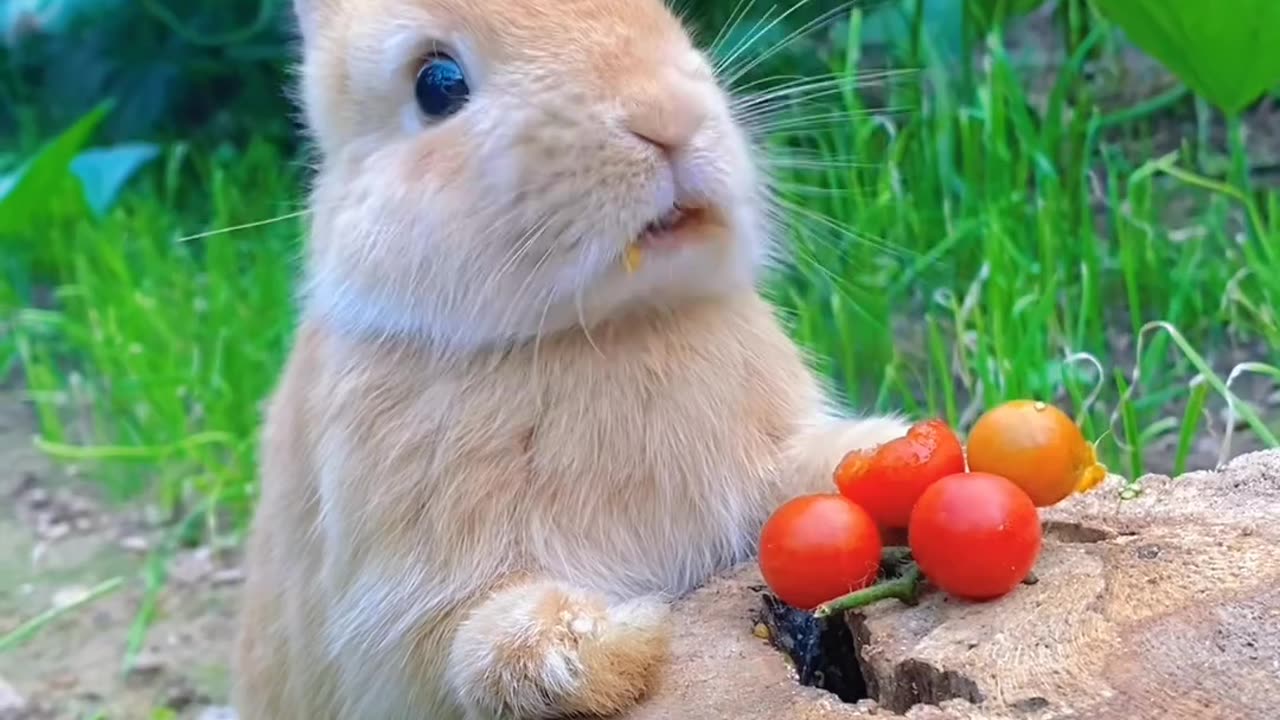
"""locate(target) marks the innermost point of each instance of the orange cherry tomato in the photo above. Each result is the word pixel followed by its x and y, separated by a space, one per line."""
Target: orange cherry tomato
pixel 888 480
pixel 975 535
pixel 1038 447
pixel 816 548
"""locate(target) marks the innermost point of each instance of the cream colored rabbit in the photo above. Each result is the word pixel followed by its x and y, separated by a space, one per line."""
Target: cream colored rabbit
pixel 499 447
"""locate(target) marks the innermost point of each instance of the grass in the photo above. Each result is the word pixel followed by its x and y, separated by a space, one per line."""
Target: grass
pixel 964 251
pixel 28 629
pixel 153 359
pixel 975 265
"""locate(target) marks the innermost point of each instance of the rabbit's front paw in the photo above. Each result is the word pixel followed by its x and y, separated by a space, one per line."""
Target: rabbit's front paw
pixel 541 650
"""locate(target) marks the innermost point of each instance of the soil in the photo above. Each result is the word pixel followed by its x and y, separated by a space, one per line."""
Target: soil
pixel 60 541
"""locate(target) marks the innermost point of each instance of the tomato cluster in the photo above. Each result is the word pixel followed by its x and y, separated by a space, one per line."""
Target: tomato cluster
pixel 971 518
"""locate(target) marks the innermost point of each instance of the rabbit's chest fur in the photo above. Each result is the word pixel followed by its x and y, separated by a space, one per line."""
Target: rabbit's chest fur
pixel 636 461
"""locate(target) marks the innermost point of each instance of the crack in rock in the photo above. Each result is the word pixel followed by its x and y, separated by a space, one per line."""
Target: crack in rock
pixel 911 682
pixel 831 656
pixel 823 652
pixel 1076 533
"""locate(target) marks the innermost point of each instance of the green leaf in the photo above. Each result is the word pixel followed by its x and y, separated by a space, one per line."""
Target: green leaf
pixel 104 171
pixel 44 185
pixel 1227 51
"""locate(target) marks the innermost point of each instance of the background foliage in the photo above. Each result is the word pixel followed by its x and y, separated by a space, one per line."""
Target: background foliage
pixel 994 220
pixel 198 70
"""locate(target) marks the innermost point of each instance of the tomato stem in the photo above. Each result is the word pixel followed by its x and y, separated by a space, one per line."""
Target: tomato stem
pixel 893 559
pixel 904 588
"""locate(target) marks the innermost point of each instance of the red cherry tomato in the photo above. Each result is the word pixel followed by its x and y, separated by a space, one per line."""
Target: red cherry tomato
pixel 975 535
pixel 818 547
pixel 887 481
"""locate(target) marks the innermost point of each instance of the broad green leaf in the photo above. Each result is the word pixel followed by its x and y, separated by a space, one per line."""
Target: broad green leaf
pixel 104 171
pixel 1227 51
pixel 44 185
pixel 7 181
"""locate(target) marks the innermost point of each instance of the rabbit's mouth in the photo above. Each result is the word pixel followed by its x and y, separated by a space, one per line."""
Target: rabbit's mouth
pixel 675 227
pixel 680 226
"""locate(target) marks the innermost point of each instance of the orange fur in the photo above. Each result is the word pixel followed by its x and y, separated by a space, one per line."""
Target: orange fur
pixel 494 455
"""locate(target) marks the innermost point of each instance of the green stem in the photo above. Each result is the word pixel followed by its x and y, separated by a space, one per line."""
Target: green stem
pixel 25 631
pixel 1239 152
pixel 1203 125
pixel 917 34
pixel 894 557
pixel 1146 108
pixel 1256 221
pixel 904 588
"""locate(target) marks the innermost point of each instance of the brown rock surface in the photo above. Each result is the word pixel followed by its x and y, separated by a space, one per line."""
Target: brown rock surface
pixel 1166 606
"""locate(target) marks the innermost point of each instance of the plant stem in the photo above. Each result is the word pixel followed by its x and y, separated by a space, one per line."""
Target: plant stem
pixel 903 588
pixel 917 34
pixel 1239 152
pixel 27 630
pixel 894 557
pixel 1145 108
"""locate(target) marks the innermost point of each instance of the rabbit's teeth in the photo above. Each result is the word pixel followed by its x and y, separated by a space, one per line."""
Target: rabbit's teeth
pixel 668 221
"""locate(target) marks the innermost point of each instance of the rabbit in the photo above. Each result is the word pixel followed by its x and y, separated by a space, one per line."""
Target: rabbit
pixel 535 394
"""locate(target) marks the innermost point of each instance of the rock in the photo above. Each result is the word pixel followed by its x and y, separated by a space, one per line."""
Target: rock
pixel 49 528
pixel 27 482
pixel 217 713
pixel 721 669
pixel 12 704
pixel 75 505
pixel 227 576
pixel 148 664
pixel 179 695
pixel 192 566
pixel 1164 606
pixel 135 544
pixel 38 499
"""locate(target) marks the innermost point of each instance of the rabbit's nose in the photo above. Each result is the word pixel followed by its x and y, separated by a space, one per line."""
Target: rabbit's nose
pixel 668 121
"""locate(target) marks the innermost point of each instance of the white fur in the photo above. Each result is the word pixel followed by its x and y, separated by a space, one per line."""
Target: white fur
pixel 495 455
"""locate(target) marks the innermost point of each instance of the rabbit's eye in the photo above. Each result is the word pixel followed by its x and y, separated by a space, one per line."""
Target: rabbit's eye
pixel 441 88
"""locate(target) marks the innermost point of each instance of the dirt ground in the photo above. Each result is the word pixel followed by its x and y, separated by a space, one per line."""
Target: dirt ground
pixel 58 542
